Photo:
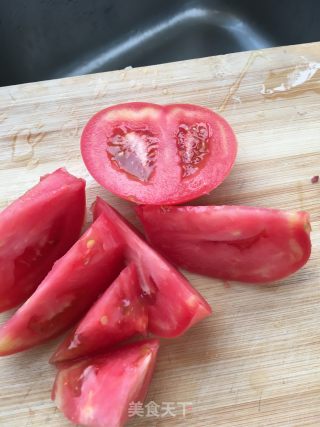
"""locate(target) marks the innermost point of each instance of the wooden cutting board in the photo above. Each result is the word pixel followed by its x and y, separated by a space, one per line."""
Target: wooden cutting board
pixel 256 361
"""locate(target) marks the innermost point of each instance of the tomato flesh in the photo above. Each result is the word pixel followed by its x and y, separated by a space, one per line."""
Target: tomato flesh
pixel 173 304
pixel 158 154
pixel 67 292
pixel 36 230
pixel 118 314
pixel 97 392
pixel 230 242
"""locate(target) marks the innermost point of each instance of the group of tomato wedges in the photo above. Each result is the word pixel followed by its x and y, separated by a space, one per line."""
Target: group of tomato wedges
pixel 110 282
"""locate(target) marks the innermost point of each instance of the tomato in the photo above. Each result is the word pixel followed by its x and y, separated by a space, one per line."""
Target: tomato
pixel 118 314
pixel 156 154
pixel 97 392
pixel 230 242
pixel 36 230
pixel 67 292
pixel 173 305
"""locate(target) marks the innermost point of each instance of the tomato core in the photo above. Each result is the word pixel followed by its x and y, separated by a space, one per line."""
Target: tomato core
pixel 193 147
pixel 133 151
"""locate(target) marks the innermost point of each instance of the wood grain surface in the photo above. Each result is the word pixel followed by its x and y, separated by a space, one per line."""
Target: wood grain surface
pixel 256 361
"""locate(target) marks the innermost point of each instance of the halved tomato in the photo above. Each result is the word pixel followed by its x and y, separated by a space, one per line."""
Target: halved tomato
pixel 98 392
pixel 173 304
pixel 156 154
pixel 230 242
pixel 118 314
pixel 68 291
pixel 36 230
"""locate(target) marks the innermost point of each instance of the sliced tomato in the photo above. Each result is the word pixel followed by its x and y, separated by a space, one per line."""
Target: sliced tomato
pixel 230 242
pixel 118 314
pixel 173 304
pixel 68 291
pixel 36 230
pixel 97 392
pixel 156 154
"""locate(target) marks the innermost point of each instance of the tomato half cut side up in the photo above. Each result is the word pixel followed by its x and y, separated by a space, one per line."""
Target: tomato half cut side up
pixel 68 291
pixel 173 304
pixel 36 230
pixel 155 154
pixel 247 244
pixel 117 315
pixel 97 392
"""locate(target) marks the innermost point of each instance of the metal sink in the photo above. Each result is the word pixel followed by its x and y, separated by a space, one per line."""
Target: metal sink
pixel 44 39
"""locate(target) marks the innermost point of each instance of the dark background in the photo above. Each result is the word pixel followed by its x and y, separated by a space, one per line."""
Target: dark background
pixel 44 39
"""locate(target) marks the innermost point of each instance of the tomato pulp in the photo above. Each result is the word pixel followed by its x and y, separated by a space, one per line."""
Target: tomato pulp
pixel 230 242
pixel 118 314
pixel 36 230
pixel 97 392
pixel 155 154
pixel 173 304
pixel 67 292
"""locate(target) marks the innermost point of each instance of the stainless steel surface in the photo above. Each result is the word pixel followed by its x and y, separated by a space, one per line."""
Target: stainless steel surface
pixel 44 39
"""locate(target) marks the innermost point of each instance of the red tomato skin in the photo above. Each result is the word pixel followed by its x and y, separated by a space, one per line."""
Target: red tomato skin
pixel 167 183
pixel 97 392
pixel 173 304
pixel 117 315
pixel 247 244
pixel 67 292
pixel 36 230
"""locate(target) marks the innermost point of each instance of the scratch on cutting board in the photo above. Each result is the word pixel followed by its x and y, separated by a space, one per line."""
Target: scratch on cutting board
pixel 101 91
pixel 33 163
pixel 71 128
pixel 300 195
pixel 235 86
pixel 12 97
pixel 31 414
pixel 3 117
pixel 258 382
pixel 260 400
pixel 36 138
pixel 27 394
pixel 20 148
pixel 24 143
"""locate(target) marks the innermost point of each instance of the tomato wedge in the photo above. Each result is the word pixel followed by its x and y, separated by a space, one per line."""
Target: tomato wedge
pixel 97 392
pixel 67 292
pixel 230 242
pixel 173 304
pixel 118 314
pixel 155 154
pixel 36 230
